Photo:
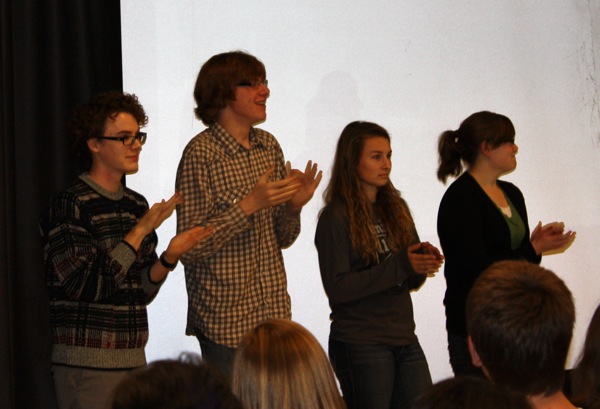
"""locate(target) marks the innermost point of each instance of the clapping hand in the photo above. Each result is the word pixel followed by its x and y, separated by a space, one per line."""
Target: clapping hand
pixel 267 193
pixel 425 258
pixel 309 181
pixel 551 237
pixel 158 213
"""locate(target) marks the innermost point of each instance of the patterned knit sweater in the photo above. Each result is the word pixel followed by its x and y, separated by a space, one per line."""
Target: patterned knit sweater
pixel 99 285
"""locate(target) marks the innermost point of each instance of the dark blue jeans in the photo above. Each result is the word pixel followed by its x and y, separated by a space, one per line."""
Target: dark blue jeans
pixel 379 376
pixel 460 357
pixel 217 355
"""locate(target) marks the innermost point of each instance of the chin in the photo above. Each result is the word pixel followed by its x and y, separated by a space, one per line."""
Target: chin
pixel 260 121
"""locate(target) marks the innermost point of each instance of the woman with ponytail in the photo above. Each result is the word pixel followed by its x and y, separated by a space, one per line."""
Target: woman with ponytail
pixel 370 259
pixel 482 219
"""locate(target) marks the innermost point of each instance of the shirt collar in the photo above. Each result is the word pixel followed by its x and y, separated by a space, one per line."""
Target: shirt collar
pixel 258 139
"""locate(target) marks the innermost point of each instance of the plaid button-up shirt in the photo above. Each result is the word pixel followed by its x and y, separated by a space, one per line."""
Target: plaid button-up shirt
pixel 236 278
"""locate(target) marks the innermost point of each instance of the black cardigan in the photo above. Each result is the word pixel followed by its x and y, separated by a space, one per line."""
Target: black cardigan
pixel 474 234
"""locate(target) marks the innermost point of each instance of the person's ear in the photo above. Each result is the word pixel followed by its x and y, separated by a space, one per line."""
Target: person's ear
pixel 474 355
pixel 485 148
pixel 93 144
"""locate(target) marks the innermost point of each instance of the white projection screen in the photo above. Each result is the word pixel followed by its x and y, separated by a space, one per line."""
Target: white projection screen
pixel 415 67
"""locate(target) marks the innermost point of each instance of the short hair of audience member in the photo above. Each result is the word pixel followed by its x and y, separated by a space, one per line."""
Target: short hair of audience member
pixel 585 375
pixel 520 320
pixel 187 383
pixel 470 392
pixel 280 364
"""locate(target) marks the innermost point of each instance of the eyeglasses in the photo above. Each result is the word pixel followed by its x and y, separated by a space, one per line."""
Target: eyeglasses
pixel 127 140
pixel 253 84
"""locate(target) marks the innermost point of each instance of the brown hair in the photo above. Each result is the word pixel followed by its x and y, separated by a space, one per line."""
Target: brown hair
pixel 344 185
pixel 520 319
pixel 470 392
pixel 462 145
pixel 186 383
pixel 586 373
pixel 217 81
pixel 280 364
pixel 88 120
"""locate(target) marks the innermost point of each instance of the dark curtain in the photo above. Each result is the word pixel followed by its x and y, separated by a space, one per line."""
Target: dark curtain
pixel 55 54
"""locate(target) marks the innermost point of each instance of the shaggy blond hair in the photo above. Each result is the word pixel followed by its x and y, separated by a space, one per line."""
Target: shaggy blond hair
pixel 280 364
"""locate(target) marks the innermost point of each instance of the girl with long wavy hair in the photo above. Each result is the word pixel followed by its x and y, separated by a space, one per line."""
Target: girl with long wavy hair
pixel 370 259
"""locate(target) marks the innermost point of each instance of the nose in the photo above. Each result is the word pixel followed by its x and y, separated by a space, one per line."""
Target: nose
pixel 264 90
pixel 387 163
pixel 515 148
pixel 137 145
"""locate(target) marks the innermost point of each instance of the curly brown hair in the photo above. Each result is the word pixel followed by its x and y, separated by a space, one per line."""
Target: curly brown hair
pixel 88 120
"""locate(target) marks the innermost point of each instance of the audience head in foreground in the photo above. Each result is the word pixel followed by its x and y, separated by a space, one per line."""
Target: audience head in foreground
pixel 585 375
pixel 520 320
pixel 186 383
pixel 470 392
pixel 280 364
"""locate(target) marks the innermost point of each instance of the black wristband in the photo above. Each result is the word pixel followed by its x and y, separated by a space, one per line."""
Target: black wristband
pixel 166 264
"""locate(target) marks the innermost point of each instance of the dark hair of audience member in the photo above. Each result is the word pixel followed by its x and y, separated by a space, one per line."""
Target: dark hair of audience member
pixel 520 319
pixel 470 392
pixel 187 383
pixel 585 375
pixel 280 364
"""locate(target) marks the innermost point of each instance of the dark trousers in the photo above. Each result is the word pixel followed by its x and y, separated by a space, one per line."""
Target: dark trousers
pixel 217 355
pixel 460 357
pixel 379 376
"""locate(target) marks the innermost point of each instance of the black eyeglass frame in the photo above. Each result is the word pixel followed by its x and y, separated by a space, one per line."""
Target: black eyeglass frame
pixel 140 136
pixel 253 84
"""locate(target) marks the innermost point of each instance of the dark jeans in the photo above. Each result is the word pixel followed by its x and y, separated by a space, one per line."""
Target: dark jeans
pixel 379 376
pixel 460 357
pixel 217 355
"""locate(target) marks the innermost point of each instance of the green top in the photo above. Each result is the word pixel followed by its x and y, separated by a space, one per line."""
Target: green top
pixel 515 225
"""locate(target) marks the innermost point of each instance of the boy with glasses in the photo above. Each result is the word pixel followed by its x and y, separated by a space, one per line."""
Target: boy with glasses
pixel 234 178
pixel 99 244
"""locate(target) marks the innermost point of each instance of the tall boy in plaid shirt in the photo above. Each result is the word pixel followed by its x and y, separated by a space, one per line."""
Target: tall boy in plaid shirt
pixel 235 179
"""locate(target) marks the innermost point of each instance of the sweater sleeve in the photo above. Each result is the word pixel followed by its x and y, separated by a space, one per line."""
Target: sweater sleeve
pixel 85 269
pixel 344 279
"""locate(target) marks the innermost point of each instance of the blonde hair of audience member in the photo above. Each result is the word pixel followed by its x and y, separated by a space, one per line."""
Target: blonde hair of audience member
pixel 280 364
